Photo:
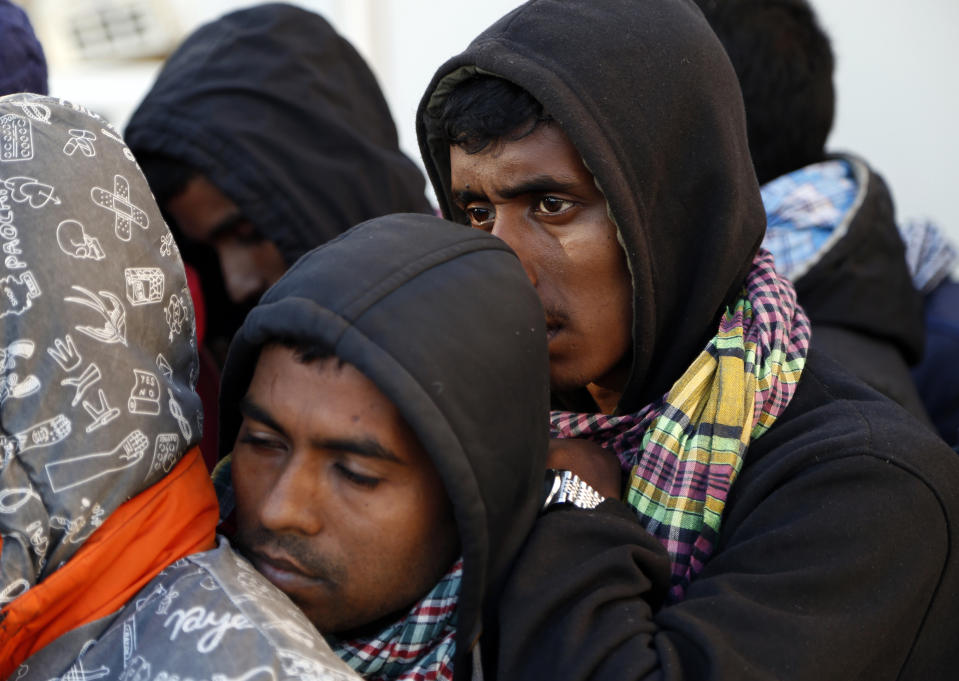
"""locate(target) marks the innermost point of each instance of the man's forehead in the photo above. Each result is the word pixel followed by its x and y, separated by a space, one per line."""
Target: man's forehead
pixel 331 403
pixel 202 212
pixel 543 161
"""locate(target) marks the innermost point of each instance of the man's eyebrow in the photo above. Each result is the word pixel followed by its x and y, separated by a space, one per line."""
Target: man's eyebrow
pixel 251 409
pixel 362 446
pixel 538 184
pixel 464 197
pixel 366 447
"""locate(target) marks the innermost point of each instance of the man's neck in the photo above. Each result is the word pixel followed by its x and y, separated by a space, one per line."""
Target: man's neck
pixel 606 398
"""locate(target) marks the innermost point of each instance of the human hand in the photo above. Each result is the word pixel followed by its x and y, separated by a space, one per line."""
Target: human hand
pixel 598 467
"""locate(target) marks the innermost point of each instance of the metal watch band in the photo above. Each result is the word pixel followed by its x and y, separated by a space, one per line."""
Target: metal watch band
pixel 565 487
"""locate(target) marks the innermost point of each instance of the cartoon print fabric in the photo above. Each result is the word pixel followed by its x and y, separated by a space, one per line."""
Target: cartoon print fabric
pixel 209 616
pixel 97 368
pixel 97 354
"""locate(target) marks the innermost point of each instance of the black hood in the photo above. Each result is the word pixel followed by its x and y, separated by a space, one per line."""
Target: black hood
pixel 443 320
pixel 284 117
pixel 646 94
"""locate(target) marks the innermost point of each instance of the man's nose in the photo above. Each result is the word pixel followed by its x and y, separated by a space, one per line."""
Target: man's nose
pixel 241 277
pixel 294 503
pixel 512 229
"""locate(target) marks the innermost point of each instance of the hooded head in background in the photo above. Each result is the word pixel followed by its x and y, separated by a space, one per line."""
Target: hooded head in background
pixel 443 322
pixel 265 135
pixel 23 67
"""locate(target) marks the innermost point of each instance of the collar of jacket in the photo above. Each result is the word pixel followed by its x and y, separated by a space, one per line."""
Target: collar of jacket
pixel 174 518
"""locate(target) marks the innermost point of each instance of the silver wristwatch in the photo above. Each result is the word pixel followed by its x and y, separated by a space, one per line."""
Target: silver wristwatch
pixel 565 487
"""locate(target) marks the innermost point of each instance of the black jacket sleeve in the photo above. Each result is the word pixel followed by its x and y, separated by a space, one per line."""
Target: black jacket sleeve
pixel 826 574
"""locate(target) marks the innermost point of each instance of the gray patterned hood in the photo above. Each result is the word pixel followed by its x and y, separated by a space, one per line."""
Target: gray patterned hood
pixel 97 344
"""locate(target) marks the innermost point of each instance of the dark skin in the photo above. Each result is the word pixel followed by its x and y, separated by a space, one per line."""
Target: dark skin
pixel 337 503
pixel 249 262
pixel 536 194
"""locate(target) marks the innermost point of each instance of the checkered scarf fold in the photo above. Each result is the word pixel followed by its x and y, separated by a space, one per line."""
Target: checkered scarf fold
pixel 418 647
pixel 684 451
pixel 930 254
pixel 806 213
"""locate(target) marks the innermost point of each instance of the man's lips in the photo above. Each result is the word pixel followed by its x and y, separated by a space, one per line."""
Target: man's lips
pixel 286 574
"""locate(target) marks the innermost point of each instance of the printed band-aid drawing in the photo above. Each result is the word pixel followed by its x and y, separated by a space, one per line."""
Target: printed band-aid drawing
pixel 81 140
pixel 118 201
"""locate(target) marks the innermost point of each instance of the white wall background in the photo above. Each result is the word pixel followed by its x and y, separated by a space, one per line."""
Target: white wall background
pixel 898 94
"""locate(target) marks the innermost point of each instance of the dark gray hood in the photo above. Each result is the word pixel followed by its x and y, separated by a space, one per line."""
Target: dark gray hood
pixel 655 111
pixel 444 321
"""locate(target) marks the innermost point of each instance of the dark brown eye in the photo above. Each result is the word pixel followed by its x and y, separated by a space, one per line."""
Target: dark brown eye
pixel 552 205
pixel 480 216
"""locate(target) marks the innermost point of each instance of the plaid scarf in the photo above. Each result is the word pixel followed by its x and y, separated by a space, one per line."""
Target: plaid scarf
pixel 806 213
pixel 418 647
pixel 930 254
pixel 684 451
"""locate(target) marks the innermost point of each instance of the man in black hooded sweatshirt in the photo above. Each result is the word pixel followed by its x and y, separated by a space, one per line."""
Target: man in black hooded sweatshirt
pixel 380 479
pixel 793 522
pixel 831 223
pixel 265 135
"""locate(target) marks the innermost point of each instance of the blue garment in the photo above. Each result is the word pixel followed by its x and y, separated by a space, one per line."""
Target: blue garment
pixel 937 376
pixel 804 210
pixel 832 231
pixel 23 68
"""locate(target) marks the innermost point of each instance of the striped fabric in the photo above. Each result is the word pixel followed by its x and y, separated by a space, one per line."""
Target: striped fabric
pixel 929 253
pixel 683 452
pixel 803 211
pixel 419 647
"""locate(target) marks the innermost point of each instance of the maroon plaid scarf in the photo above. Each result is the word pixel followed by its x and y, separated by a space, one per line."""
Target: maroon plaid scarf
pixel 418 647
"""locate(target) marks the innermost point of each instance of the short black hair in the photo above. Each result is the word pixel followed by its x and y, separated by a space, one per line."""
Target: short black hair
pixel 307 350
pixel 483 110
pixel 784 62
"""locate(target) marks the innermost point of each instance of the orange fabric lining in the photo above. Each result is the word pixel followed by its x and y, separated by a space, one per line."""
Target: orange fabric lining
pixel 172 519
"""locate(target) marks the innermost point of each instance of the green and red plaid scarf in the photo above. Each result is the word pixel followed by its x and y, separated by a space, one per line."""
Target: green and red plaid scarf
pixel 418 647
pixel 683 452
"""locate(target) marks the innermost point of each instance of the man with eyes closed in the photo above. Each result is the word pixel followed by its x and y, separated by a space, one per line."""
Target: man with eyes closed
pixel 376 476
